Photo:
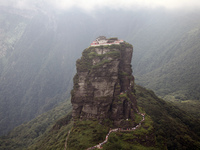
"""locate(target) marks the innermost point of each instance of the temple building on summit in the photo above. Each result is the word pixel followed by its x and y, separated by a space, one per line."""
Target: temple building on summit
pixel 101 40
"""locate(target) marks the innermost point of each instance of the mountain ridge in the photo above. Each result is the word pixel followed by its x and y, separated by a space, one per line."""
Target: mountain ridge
pixel 178 134
pixel 52 65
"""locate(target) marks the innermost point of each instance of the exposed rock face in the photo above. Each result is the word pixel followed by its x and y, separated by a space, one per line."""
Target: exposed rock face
pixel 104 85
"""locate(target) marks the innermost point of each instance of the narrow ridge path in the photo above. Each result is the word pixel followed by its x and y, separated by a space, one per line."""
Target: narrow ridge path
pixel 99 146
pixel 67 139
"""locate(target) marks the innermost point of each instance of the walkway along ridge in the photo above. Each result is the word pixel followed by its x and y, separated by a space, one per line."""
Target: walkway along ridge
pixel 67 139
pixel 99 146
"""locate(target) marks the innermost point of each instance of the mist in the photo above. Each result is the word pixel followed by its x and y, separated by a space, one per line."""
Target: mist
pixel 44 54
pixel 91 5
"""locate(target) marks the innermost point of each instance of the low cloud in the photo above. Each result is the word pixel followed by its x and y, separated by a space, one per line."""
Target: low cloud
pixel 125 4
pixel 90 5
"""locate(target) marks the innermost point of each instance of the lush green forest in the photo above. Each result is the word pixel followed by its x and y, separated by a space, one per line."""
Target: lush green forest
pixel 176 127
pixel 176 73
pixel 31 132
pixel 165 126
pixel 38 52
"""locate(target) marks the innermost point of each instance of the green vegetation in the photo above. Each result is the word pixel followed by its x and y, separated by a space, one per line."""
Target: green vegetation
pixel 86 134
pixel 112 47
pixel 175 127
pixel 89 54
pixel 165 126
pixel 172 68
pixel 75 81
pixel 85 63
pixel 113 38
pixel 190 106
pixel 124 95
pixel 105 61
pixel 38 66
pixel 113 53
pixel 140 139
pixel 43 127
pixel 54 139
pixel 138 117
pixel 124 74
pixel 128 45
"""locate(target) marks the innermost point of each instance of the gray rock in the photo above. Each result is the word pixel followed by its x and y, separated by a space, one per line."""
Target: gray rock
pixel 104 85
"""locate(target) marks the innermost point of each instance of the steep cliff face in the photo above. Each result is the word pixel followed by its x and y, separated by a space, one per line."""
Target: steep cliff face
pixel 104 85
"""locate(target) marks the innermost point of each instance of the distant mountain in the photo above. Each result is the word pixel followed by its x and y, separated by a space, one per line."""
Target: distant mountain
pixel 38 50
pixel 36 72
pixel 170 67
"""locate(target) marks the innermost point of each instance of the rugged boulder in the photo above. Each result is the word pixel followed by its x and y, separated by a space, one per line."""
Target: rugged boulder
pixel 104 85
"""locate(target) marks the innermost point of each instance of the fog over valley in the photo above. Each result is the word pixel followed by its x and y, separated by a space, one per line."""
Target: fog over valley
pixel 42 43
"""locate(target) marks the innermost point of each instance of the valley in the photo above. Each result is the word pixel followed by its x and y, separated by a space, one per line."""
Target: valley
pixel 38 53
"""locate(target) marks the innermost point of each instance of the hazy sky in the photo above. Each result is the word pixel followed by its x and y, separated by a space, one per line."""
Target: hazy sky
pixel 112 4
pixel 126 4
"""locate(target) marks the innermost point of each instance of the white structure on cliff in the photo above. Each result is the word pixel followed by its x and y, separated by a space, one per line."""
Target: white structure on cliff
pixel 101 40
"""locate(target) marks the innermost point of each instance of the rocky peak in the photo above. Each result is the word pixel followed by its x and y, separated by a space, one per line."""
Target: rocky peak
pixel 104 85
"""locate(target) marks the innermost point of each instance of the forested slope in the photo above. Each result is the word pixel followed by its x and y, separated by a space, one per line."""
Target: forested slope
pixel 37 74
pixel 38 51
pixel 176 72
pixel 171 128
pixel 33 131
